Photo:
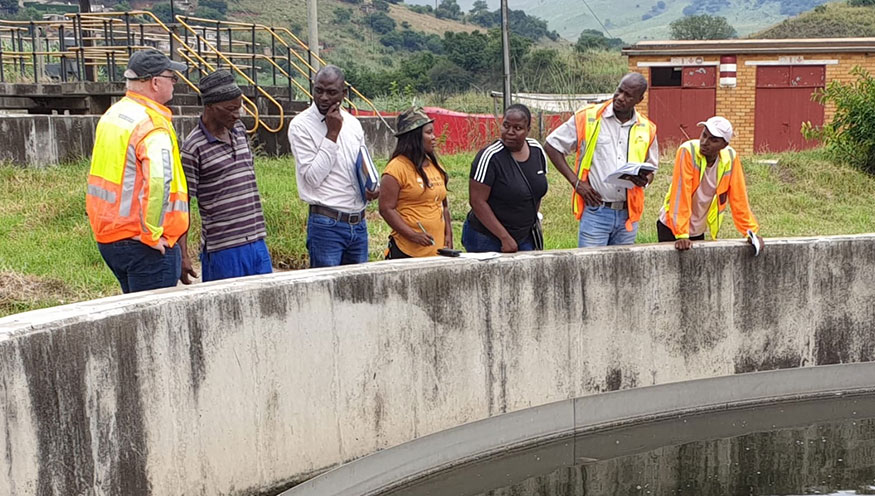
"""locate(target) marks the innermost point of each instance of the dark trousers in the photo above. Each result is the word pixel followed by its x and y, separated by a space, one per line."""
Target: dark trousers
pixel 141 268
pixel 665 235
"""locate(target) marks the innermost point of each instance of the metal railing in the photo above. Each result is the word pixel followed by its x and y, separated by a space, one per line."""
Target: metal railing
pixel 97 46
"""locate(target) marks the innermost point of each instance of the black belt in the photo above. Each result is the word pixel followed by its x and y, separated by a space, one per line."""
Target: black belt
pixel 338 215
pixel 617 205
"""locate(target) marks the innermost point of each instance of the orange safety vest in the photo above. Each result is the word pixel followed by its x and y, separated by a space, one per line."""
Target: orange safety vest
pixel 689 169
pixel 587 121
pixel 136 185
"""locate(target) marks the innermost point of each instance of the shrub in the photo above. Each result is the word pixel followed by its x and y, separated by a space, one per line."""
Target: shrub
pixel 380 22
pixel 208 13
pixel 342 15
pixel 850 136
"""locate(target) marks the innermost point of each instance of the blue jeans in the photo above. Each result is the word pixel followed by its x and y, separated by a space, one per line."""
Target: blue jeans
pixel 602 226
pixel 141 268
pixel 331 242
pixel 245 260
pixel 477 242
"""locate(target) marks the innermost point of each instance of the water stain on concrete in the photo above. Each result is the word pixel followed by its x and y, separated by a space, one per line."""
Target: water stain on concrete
pixel 197 362
pixel 55 366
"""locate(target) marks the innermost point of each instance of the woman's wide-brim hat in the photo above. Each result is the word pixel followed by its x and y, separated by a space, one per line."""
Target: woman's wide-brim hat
pixel 411 120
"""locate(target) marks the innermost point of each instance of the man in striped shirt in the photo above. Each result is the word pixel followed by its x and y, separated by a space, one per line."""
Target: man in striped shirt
pixel 220 174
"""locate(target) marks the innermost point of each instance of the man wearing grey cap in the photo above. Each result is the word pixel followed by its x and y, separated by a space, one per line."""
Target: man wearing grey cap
pixel 707 177
pixel 137 199
pixel 220 173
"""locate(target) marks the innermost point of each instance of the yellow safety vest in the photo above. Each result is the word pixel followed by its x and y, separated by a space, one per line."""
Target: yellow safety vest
pixel 587 121
pixel 136 185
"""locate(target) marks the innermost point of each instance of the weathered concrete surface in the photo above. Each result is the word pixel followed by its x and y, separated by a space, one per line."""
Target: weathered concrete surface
pixel 242 386
pixel 40 140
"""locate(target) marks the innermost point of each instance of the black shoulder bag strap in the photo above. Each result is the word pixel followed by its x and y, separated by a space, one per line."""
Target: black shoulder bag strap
pixel 537 234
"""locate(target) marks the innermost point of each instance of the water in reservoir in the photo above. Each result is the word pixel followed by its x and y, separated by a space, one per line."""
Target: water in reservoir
pixel 824 446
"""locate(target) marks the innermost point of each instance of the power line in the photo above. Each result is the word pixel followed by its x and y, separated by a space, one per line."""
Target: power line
pixel 597 19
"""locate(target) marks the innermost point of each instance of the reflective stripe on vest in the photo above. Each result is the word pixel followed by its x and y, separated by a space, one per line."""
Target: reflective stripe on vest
pixel 121 203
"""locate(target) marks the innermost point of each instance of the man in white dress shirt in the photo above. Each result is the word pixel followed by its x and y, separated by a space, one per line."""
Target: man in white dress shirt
pixel 328 144
pixel 605 137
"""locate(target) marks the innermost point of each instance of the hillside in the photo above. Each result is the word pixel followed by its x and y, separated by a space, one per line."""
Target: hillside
pixel 427 23
pixel 634 20
pixel 835 20
pixel 343 29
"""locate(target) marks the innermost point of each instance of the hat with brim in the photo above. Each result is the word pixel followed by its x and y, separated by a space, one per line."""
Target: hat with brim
pixel 411 120
pixel 719 127
pixel 149 63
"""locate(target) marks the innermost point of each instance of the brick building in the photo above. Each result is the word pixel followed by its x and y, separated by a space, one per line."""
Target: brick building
pixel 763 87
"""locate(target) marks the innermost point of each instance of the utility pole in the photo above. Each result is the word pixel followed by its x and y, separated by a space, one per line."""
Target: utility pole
pixel 313 35
pixel 505 51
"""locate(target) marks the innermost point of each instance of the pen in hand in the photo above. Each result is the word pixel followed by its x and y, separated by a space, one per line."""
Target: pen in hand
pixel 423 230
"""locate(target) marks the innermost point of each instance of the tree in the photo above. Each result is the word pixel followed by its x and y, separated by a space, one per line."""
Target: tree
pixel 219 5
pixel 446 77
pixel 480 15
pixel 850 135
pixel 208 13
pixel 701 27
pixel 448 9
pixel 861 3
pixel 467 50
pixel 380 22
pixel 479 6
pixel 162 12
pixel 9 6
pixel 593 39
pixel 342 15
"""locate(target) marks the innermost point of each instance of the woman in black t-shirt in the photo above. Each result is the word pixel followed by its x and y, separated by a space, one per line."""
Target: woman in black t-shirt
pixel 508 179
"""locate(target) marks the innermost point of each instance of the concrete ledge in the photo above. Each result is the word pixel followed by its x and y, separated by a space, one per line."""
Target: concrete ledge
pixel 254 384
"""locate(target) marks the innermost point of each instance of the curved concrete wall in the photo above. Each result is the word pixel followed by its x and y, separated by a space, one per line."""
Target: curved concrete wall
pixel 248 386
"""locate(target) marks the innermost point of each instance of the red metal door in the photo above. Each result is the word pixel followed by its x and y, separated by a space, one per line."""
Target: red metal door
pixel 697 105
pixel 783 103
pixel 664 110
pixel 677 109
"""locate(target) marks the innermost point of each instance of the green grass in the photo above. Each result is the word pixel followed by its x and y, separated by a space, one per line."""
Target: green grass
pixel 48 257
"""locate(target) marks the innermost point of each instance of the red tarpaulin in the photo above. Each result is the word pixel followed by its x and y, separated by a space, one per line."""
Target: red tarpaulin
pixel 461 132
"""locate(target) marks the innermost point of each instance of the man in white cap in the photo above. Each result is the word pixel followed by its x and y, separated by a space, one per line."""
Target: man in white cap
pixel 707 176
